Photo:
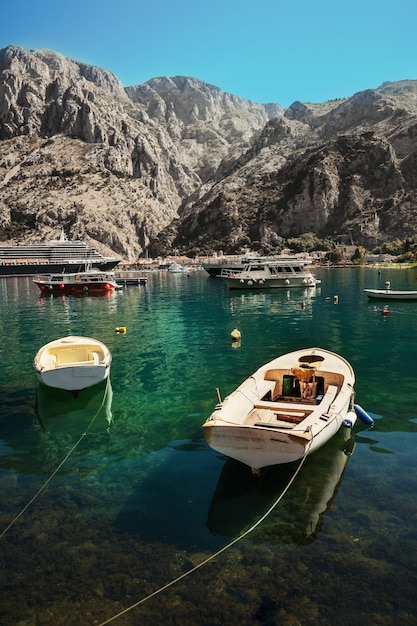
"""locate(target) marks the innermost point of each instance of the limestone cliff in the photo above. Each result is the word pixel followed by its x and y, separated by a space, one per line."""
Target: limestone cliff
pixel 178 162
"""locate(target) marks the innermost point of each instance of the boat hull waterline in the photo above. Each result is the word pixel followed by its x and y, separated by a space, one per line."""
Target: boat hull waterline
pixel 388 294
pixel 287 409
pixel 72 363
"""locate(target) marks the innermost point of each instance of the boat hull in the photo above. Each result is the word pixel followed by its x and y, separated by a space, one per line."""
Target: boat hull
pixel 74 378
pixel 260 446
pixel 387 294
pixel 47 288
pixel 251 283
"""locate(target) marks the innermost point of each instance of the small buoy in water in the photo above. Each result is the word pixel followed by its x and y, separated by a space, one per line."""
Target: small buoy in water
pixel 303 305
pixel 235 334
pixel 387 284
pixel 385 312
pixel 335 299
pixel 121 329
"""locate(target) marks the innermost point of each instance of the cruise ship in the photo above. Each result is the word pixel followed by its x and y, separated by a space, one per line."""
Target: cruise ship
pixel 60 255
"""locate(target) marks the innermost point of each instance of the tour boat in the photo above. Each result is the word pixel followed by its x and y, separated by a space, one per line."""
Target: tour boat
pixel 92 281
pixel 280 273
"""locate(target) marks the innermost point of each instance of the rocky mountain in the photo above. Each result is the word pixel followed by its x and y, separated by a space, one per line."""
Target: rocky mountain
pixel 177 163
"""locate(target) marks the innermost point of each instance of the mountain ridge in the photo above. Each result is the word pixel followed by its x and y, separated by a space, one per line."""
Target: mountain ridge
pixel 146 169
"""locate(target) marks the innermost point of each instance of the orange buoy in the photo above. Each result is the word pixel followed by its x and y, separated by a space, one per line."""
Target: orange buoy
pixel 385 312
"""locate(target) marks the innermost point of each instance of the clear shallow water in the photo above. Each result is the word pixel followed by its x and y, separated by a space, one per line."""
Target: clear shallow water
pixel 143 500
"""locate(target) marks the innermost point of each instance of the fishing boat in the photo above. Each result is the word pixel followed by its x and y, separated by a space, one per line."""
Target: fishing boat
pixel 72 363
pixel 279 273
pixel 391 294
pixel 59 255
pixel 91 281
pixel 284 411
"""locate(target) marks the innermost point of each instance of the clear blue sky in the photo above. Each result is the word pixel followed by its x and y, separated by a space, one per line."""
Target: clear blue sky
pixel 262 50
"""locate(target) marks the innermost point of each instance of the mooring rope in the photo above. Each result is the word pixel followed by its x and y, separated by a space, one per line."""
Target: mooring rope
pixel 56 470
pixel 216 554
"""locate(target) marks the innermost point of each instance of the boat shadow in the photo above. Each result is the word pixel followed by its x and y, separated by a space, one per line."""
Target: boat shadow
pixel 240 499
pixel 59 412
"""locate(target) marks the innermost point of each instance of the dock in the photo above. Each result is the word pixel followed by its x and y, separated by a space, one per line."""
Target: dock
pixel 130 280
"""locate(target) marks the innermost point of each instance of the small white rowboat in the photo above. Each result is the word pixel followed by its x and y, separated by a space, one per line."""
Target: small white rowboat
pixel 389 294
pixel 72 363
pixel 287 409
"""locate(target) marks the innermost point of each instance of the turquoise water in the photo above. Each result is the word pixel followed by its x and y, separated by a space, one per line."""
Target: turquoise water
pixel 141 499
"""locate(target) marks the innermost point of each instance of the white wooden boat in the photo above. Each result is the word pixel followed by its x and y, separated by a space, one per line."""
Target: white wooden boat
pixel 391 294
pixel 280 273
pixel 287 409
pixel 72 363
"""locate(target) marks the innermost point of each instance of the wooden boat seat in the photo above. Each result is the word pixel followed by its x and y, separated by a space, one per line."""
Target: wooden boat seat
pixel 76 356
pixel 94 357
pixel 292 412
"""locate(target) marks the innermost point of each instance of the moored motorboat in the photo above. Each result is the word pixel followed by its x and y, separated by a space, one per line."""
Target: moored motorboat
pixel 72 363
pixel 280 273
pixel 177 268
pixel 287 409
pixel 215 268
pixel 391 294
pixel 92 281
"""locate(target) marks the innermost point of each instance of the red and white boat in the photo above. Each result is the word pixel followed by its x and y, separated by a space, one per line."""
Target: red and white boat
pixel 93 281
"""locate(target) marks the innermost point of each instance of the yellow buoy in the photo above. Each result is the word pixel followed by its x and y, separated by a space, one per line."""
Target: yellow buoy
pixel 121 329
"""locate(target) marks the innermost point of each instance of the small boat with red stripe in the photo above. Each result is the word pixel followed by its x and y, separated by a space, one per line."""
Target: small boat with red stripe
pixel 90 282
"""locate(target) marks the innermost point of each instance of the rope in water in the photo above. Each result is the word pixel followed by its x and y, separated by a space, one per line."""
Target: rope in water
pixel 56 470
pixel 216 554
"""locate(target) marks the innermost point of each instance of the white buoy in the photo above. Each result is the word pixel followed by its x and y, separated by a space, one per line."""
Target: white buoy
pixel 235 334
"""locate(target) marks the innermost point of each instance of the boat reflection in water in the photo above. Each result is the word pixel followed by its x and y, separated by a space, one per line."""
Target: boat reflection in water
pixel 60 412
pixel 240 499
